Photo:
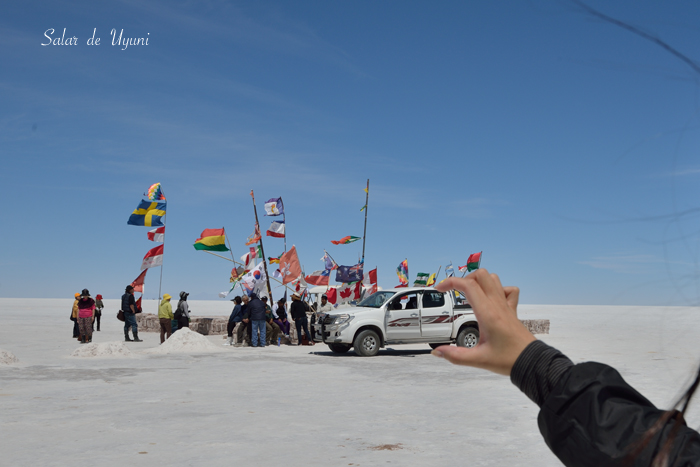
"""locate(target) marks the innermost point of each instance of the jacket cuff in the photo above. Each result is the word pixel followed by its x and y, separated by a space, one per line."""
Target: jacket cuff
pixel 538 369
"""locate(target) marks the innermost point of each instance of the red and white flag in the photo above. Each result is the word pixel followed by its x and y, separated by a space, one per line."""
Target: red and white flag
pixel 156 235
pixel 289 266
pixel 349 292
pixel 276 229
pixel 318 277
pixel 370 278
pixel 153 258
pixel 332 295
pixel 138 282
pixel 370 290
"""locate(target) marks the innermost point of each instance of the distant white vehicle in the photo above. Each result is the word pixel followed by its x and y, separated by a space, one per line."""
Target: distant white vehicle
pixel 411 315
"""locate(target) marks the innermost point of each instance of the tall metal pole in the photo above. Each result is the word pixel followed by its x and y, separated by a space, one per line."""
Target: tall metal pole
pixel 364 235
pixel 284 219
pixel 262 250
pixel 160 283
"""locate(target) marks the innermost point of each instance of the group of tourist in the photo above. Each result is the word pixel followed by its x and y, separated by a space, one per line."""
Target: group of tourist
pixel 262 324
pixel 84 314
pixel 180 319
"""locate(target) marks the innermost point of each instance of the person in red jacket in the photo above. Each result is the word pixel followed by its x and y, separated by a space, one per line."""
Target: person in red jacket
pixel 589 415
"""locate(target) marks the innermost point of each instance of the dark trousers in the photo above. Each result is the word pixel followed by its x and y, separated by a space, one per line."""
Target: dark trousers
pixel 303 322
pixel 229 328
pixel 130 322
pixel 166 327
pixel 97 320
pixel 76 328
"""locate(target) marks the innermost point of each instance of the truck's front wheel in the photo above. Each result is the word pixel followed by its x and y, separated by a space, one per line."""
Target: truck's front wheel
pixel 339 348
pixel 468 337
pixel 366 343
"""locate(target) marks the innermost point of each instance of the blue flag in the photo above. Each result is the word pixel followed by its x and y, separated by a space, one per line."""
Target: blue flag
pixel 349 273
pixel 449 270
pixel 149 214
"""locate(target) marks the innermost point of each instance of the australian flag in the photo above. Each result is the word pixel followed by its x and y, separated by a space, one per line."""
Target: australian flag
pixel 349 273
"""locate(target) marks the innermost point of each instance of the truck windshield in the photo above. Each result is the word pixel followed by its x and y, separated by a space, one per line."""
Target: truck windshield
pixel 376 300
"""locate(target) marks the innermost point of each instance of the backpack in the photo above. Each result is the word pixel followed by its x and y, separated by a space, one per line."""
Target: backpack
pixel 178 312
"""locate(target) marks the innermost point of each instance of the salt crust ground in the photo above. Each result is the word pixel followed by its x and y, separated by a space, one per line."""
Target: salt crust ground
pixel 6 358
pixel 103 349
pixel 301 406
pixel 185 341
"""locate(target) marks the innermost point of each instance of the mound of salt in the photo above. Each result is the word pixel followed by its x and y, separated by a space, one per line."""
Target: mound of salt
pixel 7 358
pixel 185 341
pixel 103 349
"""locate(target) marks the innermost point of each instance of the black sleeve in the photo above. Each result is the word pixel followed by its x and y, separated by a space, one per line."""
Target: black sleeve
pixel 591 417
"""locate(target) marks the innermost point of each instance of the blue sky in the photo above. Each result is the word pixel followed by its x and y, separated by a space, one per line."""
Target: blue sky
pixel 563 147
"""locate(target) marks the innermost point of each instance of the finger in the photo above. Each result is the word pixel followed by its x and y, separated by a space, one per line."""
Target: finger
pixel 497 280
pixel 512 297
pixel 491 287
pixel 459 355
pixel 467 285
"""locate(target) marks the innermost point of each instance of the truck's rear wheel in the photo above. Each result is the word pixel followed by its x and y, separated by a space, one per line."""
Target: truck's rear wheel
pixel 366 343
pixel 435 346
pixel 468 337
pixel 339 348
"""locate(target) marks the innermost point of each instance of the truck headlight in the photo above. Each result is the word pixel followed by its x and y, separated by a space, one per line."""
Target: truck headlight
pixel 342 319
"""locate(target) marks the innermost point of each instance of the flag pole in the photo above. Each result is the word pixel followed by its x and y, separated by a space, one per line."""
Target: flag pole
pixel 160 283
pixel 262 250
pixel 223 257
pixel 284 219
pixel 229 245
pixel 364 235
pixel 438 273
pixel 329 255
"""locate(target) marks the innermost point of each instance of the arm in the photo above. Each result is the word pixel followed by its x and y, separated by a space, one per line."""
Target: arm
pixel 132 303
pixel 589 414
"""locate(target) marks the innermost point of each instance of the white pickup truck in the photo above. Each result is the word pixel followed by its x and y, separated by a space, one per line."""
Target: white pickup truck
pixel 400 316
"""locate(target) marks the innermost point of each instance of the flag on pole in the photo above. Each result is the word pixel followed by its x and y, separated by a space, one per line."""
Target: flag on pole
pixel 474 261
pixel 329 263
pixel 155 193
pixel 319 277
pixel 349 273
pixel 236 274
pixel 332 295
pixel 371 290
pixel 276 229
pixel 249 259
pixel 345 240
pixel 431 279
pixel 300 285
pixel 148 213
pixel 211 240
pixel 289 266
pixel 254 276
pixel 370 278
pixel 157 235
pixel 274 260
pixel 402 272
pixel 255 237
pixel 153 258
pixel 363 208
pixel 349 292
pixel 138 302
pixel 274 207
pixel 463 268
pixel 139 281
pixel 421 280
pixel 449 270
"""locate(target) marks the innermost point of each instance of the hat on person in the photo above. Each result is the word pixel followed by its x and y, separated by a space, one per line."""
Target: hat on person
pixel 296 295
pixel 264 299
pixel 129 287
pixel 166 296
pixel 324 296
pixel 99 297
pixel 77 295
pixel 183 295
pixel 85 293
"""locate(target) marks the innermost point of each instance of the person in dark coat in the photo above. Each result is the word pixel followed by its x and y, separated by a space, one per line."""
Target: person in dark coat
pixel 589 415
pixel 245 323
pixel 182 312
pixel 235 318
pixel 255 314
pixel 298 312
pixel 129 309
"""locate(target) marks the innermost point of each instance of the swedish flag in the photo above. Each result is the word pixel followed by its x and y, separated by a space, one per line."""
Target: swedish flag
pixel 148 213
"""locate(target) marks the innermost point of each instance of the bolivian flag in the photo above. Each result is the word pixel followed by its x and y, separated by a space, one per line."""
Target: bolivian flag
pixel 212 240
pixel 148 213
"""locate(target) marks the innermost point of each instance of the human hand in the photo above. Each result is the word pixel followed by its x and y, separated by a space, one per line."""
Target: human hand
pixel 502 337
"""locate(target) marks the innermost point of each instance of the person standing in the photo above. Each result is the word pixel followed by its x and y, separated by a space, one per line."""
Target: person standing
pixel 74 317
pixel 245 323
pixel 129 309
pixel 86 314
pixel 165 316
pixel 279 315
pixel 235 318
pixel 255 313
pixel 272 330
pixel 182 313
pixel 98 311
pixel 298 312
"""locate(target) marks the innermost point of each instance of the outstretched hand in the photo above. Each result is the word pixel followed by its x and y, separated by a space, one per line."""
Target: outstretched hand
pixel 502 337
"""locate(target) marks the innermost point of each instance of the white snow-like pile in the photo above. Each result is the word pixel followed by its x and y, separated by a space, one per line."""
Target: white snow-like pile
pixel 103 349
pixel 7 358
pixel 185 341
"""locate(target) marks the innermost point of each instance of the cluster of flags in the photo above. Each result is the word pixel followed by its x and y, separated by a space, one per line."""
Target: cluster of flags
pixel 427 280
pixel 150 213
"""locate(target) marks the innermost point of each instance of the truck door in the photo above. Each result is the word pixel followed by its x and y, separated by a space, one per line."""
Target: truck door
pixel 403 317
pixel 436 315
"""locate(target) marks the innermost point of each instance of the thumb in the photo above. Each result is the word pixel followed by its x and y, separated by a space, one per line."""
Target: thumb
pixel 459 355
